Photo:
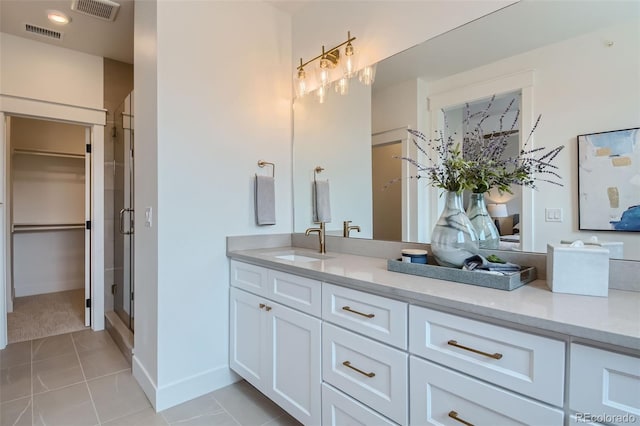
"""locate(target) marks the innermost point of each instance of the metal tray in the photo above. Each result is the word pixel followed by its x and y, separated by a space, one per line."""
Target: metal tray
pixel 498 281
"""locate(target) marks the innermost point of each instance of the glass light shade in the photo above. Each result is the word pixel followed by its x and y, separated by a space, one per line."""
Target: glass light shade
pixel 349 62
pixel 324 72
pixel 367 75
pixel 342 86
pixel 322 94
pixel 301 83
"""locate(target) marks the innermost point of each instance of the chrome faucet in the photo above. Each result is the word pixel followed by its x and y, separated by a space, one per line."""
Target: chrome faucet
pixel 346 228
pixel 321 236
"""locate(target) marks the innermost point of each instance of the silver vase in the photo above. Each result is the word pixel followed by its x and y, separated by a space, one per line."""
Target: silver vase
pixel 453 238
pixel 488 235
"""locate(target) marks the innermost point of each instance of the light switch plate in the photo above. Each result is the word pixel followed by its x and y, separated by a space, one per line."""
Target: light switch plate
pixel 553 215
pixel 148 217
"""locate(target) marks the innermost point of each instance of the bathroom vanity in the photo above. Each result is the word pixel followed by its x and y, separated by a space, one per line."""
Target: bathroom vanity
pixel 337 339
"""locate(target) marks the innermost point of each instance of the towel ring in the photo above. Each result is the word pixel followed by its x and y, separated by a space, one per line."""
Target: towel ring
pixel 263 163
pixel 317 170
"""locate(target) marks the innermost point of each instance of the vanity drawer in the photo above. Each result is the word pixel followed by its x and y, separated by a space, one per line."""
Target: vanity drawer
pixel 523 362
pixel 249 277
pixel 604 383
pixel 373 373
pixel 440 396
pixel 339 410
pixel 374 316
pixel 303 294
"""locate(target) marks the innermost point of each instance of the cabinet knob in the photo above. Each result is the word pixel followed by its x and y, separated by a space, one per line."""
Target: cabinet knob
pixel 262 305
pixel 267 308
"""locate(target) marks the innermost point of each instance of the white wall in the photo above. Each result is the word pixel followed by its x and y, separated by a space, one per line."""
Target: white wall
pixel 571 105
pixel 219 106
pixel 40 71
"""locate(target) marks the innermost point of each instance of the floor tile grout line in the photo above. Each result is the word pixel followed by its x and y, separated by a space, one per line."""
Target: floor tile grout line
pixel 86 383
pixel 226 411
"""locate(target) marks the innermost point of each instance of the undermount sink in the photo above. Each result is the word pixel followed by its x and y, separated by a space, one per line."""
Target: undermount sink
pixel 296 258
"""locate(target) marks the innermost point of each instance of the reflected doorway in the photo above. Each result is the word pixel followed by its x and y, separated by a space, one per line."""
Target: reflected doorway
pixel 387 198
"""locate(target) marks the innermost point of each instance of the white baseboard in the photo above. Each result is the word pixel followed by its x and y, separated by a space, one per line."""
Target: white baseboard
pixel 183 390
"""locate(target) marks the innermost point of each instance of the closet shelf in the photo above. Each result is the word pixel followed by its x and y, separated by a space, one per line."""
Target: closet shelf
pixel 37 227
pixel 47 153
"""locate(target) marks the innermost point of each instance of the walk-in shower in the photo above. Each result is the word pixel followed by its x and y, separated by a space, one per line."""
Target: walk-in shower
pixel 123 230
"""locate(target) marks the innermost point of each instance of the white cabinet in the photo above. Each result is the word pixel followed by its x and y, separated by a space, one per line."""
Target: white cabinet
pixel 370 372
pixel 604 386
pixel 440 396
pixel 376 317
pixel 338 410
pixel 523 362
pixel 276 348
pixel 247 337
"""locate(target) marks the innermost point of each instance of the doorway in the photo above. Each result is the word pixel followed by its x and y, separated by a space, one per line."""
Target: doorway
pixel 387 198
pixel 123 210
pixel 48 210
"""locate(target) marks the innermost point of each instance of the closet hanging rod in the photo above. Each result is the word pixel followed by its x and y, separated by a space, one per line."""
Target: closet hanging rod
pixel 46 227
pixel 47 153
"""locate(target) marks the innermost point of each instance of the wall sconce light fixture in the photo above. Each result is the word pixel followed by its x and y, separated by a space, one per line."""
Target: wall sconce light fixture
pixel 328 62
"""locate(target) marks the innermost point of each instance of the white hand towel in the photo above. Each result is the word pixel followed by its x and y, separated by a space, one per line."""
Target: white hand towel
pixel 321 200
pixel 265 200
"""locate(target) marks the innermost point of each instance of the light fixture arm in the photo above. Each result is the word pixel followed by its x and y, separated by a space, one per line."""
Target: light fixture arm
pixel 326 53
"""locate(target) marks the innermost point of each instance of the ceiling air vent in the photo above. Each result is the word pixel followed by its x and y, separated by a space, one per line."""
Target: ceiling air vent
pixel 44 32
pixel 101 9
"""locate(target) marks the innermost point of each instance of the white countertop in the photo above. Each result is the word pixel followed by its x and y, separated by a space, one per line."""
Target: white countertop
pixel 612 320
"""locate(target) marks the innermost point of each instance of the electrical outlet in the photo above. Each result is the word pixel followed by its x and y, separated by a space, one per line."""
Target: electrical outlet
pixel 553 215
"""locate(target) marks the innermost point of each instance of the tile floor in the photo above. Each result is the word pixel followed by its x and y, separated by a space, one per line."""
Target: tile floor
pixel 81 378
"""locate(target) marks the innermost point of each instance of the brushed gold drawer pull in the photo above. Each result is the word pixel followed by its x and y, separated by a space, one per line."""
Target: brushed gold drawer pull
pixel 475 351
pixel 268 308
pixel 455 417
pixel 347 308
pixel 262 305
pixel 348 364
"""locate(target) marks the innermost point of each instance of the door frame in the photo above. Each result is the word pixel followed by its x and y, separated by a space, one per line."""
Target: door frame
pixel 95 120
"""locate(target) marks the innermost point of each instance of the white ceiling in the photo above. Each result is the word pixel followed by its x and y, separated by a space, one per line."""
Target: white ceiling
pixel 515 29
pixel 84 33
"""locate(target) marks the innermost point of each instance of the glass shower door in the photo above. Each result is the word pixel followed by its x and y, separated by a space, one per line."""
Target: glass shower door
pixel 123 212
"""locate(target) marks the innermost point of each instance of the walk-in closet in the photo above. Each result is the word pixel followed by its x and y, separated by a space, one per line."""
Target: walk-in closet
pixel 48 254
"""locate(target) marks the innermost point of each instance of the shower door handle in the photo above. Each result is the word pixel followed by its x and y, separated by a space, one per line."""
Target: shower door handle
pixel 121 222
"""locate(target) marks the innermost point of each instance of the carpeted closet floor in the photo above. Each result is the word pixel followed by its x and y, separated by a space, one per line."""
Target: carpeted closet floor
pixel 46 315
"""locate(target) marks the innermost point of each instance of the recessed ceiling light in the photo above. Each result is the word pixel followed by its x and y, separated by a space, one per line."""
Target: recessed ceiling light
pixel 58 17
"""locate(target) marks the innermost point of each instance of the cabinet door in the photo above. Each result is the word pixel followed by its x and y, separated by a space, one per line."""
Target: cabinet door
pixel 248 338
pixel 440 396
pixel 295 376
pixel 604 386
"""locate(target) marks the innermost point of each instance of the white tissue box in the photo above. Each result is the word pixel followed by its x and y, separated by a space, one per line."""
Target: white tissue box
pixel 616 248
pixel 578 270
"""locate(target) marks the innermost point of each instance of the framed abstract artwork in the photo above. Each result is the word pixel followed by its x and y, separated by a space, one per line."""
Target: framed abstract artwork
pixel 609 181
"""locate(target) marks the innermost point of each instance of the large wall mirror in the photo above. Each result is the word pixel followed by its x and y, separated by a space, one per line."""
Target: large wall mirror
pixel 576 63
